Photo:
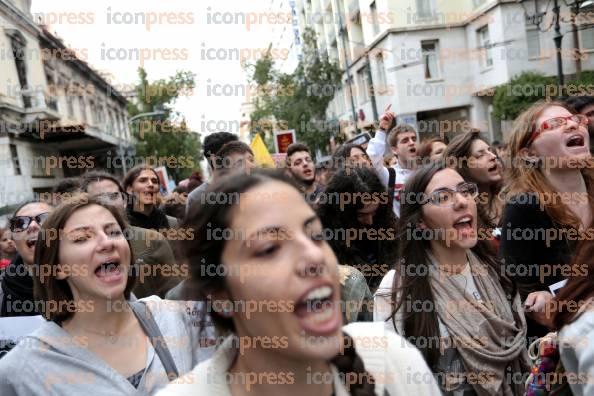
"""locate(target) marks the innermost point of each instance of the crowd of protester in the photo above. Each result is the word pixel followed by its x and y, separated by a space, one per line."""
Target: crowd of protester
pixel 448 266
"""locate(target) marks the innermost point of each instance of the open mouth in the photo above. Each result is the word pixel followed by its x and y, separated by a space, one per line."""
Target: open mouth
pixel 31 243
pixel 109 271
pixel 464 225
pixel 317 311
pixel 575 141
pixel 412 150
pixel 493 168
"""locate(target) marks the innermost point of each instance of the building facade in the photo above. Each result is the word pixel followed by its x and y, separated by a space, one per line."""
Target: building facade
pixel 58 116
pixel 436 62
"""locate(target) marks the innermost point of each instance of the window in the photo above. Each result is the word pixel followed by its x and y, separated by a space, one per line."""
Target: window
pixel 430 51
pixel 425 9
pixel 340 101
pixel 18 46
pixel 363 84
pixel 484 42
pixel 14 156
pixel 51 92
pixel 533 42
pixel 70 105
pixel 83 108
pixel 587 38
pixel 374 19
pixel 93 109
pixel 381 73
pixel 586 29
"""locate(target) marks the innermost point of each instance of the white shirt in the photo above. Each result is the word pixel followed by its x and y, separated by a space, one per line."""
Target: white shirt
pixel 375 151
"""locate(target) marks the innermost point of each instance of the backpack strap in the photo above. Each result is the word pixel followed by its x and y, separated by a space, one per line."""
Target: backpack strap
pixel 391 183
pixel 151 329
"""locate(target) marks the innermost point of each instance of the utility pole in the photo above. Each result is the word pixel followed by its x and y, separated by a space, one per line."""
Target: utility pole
pixel 558 40
pixel 347 70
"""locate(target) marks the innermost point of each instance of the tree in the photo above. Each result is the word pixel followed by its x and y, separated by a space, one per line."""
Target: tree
pixel 165 139
pixel 298 100
pixel 512 98
pixel 519 93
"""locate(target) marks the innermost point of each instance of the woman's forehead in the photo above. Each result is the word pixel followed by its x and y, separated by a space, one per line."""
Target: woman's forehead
pixel 446 178
pixel 553 111
pixel 272 200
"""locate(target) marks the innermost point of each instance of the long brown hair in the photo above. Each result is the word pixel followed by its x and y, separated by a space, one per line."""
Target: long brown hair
pixel 457 155
pixel 427 147
pixel 412 283
pixel 579 288
pixel 203 253
pixel 524 176
pixel 46 287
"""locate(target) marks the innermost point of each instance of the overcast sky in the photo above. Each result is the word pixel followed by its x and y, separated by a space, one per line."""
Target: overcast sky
pixel 100 30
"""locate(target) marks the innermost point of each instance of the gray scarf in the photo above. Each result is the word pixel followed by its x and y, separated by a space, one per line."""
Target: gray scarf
pixel 490 334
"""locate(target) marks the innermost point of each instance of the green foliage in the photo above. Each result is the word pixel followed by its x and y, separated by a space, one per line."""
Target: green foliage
pixel 513 98
pixel 298 100
pixel 166 136
pixel 517 95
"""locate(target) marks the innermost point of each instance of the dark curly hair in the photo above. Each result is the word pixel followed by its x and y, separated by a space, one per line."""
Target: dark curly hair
pixel 203 250
pixel 338 217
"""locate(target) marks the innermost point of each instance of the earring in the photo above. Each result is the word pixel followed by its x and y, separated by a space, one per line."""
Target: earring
pixel 533 163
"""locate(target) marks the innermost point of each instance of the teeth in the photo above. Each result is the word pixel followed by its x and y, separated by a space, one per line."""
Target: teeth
pixel 321 316
pixel 319 293
pixel 466 219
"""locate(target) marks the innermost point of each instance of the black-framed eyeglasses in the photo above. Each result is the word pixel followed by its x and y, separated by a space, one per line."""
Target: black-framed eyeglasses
pixel 445 197
pixel 21 223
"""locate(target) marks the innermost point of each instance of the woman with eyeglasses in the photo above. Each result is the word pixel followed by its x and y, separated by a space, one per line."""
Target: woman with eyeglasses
pixel 143 187
pixel 548 204
pixel 16 294
pixel 476 161
pixel 447 295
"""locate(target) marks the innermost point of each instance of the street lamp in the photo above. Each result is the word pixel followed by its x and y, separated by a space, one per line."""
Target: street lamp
pixel 121 147
pixel 536 19
pixel 575 6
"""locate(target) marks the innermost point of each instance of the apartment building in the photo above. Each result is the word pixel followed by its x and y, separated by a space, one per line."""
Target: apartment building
pixel 435 61
pixel 58 116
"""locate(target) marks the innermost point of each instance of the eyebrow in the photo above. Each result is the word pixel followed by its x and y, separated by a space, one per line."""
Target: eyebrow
pixel 275 228
pixel 447 188
pixel 88 228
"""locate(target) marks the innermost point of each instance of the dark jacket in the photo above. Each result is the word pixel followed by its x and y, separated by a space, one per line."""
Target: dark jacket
pixel 526 252
pixel 157 268
pixel 16 294
pixel 157 220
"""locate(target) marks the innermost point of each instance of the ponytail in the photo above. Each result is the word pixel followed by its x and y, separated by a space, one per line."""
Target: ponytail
pixel 350 365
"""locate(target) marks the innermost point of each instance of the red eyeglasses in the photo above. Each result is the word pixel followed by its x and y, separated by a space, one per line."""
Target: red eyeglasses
pixel 556 122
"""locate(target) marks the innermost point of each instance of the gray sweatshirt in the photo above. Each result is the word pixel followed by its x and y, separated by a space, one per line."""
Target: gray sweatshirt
pixel 48 362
